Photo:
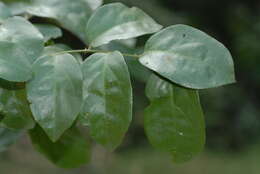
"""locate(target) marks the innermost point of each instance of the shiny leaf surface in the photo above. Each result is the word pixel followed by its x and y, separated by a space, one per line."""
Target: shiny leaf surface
pixel 107 92
pixel 24 35
pixel 174 121
pixel 20 44
pixel 189 57
pixel 136 69
pixel 4 12
pixel 55 93
pixel 7 138
pixel 116 21
pixel 94 3
pixel 14 67
pixel 15 108
pixel 71 151
pixel 49 31
pixel 72 15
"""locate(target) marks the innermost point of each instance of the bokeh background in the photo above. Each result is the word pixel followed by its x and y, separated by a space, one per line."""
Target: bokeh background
pixel 232 112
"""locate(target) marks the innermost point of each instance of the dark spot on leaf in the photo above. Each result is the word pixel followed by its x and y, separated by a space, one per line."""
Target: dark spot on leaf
pixel 184 35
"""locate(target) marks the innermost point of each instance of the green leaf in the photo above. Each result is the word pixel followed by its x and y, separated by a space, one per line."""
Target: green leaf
pixel 49 31
pixel 15 108
pixel 136 69
pixel 116 21
pixel 107 107
pixel 24 35
pixel 189 57
pixel 20 44
pixel 14 67
pixel 55 93
pixel 4 12
pixel 174 121
pixel 71 151
pixel 17 7
pixel 7 138
pixel 72 15
pixel 94 3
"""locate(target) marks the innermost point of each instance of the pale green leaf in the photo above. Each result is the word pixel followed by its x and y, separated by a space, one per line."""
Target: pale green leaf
pixel 189 57
pixel 70 151
pixel 20 45
pixel 4 12
pixel 174 121
pixel 107 91
pixel 15 109
pixel 49 31
pixel 14 67
pixel 94 3
pixel 116 21
pixel 17 7
pixel 136 69
pixel 55 93
pixel 72 15
pixel 24 35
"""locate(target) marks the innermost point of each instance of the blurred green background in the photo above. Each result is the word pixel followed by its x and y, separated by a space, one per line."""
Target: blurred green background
pixel 232 112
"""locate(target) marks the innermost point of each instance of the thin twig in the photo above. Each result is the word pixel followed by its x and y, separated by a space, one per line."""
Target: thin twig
pixel 86 50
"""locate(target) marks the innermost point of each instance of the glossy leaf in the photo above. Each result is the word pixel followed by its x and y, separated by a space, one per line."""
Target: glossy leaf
pixel 72 15
pixel 7 138
pixel 70 151
pixel 55 93
pixel 136 69
pixel 94 3
pixel 17 7
pixel 24 35
pixel 20 44
pixel 4 12
pixel 116 21
pixel 14 67
pixel 174 121
pixel 15 108
pixel 49 31
pixel 189 57
pixel 107 92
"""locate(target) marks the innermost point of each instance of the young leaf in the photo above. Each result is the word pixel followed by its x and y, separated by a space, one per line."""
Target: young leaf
pixel 4 12
pixel 24 35
pixel 15 108
pixel 71 151
pixel 116 21
pixel 174 121
pixel 49 31
pixel 189 57
pixel 72 15
pixel 107 93
pixel 55 93
pixel 7 138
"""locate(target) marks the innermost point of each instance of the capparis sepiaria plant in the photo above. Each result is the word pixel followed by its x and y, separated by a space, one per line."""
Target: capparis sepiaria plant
pixel 51 91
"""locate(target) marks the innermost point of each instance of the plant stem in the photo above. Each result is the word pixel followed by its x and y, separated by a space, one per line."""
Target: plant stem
pixel 86 50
